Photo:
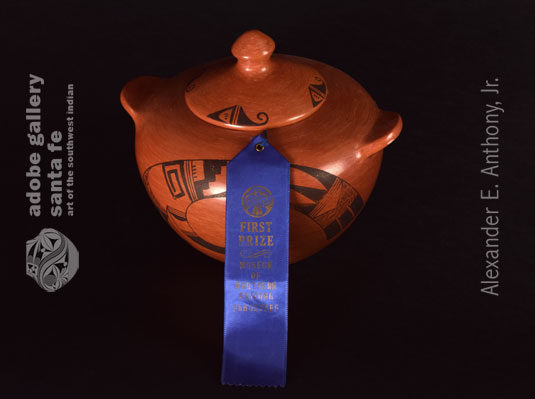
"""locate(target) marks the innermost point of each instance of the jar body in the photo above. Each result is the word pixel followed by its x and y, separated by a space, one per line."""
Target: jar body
pixel 191 196
pixel 182 161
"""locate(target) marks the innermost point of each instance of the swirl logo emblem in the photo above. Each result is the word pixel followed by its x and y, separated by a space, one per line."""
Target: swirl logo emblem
pixel 257 201
pixel 51 259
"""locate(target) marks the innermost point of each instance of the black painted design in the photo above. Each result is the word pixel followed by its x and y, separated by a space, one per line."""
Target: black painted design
pixel 173 182
pixel 333 208
pixel 315 194
pixel 190 85
pixel 187 182
pixel 195 176
pixel 235 115
pixel 317 91
pixel 325 178
pixel 206 244
pixel 146 183
pixel 177 214
pixel 333 205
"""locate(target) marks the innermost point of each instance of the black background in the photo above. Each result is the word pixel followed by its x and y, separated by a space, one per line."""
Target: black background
pixel 392 309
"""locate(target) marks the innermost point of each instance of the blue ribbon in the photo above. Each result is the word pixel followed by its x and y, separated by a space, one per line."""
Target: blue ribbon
pixel 256 266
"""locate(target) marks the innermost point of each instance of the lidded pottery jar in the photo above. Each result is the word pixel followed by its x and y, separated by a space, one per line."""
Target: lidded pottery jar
pixel 321 120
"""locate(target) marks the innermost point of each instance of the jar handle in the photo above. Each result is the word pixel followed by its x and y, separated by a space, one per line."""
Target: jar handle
pixel 135 92
pixel 385 130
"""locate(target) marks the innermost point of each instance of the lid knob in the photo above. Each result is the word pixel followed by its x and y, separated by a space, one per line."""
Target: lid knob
pixel 253 50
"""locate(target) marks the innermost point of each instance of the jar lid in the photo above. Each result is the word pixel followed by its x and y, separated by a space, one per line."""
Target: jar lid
pixel 259 90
